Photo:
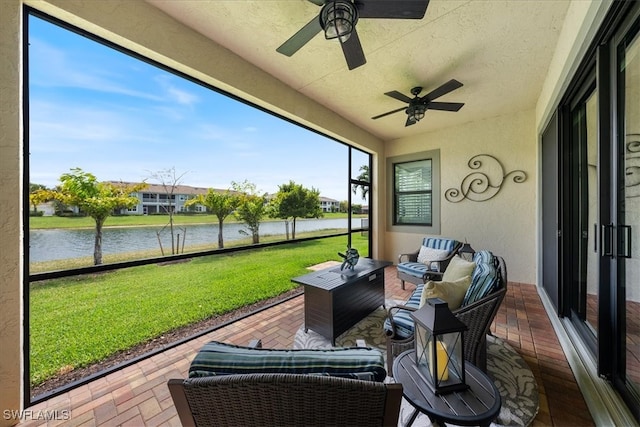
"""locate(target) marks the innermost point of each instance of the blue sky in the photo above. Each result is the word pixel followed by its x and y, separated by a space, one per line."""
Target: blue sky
pixel 122 119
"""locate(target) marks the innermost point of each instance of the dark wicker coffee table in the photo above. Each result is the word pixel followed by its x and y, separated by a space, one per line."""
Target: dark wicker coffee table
pixel 335 300
pixel 478 406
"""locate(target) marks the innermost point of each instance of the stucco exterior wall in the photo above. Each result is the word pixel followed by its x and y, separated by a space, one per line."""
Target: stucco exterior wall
pixel 581 23
pixel 11 260
pixel 504 224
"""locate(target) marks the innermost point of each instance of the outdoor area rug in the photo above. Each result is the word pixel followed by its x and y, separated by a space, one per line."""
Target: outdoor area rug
pixel 510 372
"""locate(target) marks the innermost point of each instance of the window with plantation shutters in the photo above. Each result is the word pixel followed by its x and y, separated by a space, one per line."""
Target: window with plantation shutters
pixel 412 192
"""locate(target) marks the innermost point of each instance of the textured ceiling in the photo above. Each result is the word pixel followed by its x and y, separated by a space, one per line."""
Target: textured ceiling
pixel 499 50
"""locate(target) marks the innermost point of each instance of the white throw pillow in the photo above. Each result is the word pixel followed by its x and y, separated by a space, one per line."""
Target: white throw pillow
pixel 457 269
pixel 428 255
pixel 451 292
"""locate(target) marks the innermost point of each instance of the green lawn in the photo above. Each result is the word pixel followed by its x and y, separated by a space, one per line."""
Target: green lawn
pixel 81 320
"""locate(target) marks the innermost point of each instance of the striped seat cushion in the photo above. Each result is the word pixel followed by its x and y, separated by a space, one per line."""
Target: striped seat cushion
pixel 417 269
pixel 402 318
pixel 216 358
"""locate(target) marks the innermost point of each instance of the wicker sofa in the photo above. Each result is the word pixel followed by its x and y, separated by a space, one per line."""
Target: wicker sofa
pixel 232 385
pixel 478 309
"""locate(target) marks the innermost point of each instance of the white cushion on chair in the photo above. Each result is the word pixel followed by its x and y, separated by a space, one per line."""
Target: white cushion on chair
pixel 430 254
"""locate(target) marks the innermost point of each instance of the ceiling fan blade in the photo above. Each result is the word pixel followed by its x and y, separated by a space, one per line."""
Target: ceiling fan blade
pixel 399 96
pixel 449 86
pixel 410 121
pixel 352 50
pixel 302 37
pixel 445 106
pixel 389 112
pixel 394 9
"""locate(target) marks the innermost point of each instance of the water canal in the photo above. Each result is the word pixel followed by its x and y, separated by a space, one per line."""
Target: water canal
pixel 58 244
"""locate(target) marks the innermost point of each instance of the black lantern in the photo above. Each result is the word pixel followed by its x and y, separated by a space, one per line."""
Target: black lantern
pixel 416 112
pixel 466 252
pixel 440 346
pixel 337 19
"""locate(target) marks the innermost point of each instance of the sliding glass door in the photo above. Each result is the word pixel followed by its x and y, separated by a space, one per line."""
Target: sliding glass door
pixel 581 208
pixel 627 259
pixel 599 205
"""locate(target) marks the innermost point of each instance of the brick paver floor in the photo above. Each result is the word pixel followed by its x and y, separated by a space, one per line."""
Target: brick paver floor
pixel 138 396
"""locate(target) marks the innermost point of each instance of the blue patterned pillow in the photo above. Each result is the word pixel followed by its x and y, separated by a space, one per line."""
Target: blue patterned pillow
pixel 483 282
pixel 216 358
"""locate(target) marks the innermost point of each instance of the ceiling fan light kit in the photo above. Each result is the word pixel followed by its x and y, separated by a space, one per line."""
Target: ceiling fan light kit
pixel 338 19
pixel 416 113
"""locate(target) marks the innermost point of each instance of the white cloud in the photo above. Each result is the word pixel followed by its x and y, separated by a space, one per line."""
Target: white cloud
pixel 182 97
pixel 53 67
pixel 175 94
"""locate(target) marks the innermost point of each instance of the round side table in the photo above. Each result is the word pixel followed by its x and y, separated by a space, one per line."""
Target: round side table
pixel 479 405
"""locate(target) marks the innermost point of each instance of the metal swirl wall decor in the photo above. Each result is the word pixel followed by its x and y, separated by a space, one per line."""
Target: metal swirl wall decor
pixel 481 186
pixel 632 165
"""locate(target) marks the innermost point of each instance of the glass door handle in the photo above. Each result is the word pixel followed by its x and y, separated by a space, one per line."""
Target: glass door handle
pixel 606 240
pixel 624 251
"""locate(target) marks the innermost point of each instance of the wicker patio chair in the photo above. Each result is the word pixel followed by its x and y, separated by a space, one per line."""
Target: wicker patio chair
pixel 285 399
pixel 412 271
pixel 478 317
pixel 250 386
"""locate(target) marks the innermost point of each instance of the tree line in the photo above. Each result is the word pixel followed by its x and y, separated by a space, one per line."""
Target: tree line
pixel 99 200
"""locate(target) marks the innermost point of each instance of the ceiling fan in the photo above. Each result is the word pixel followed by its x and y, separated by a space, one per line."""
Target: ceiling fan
pixel 338 18
pixel 419 105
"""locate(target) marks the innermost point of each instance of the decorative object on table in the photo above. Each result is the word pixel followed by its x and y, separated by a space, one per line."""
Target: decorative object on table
pixel 466 252
pixel 482 186
pixel 350 258
pixel 335 300
pixel 439 347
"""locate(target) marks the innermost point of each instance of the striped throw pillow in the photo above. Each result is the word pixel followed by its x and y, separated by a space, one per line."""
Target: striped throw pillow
pixel 483 256
pixel 483 282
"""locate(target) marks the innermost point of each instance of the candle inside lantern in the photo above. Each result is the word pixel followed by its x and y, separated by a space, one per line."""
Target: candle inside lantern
pixel 441 357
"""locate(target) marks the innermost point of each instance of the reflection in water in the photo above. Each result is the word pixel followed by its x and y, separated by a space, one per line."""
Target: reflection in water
pixel 57 244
